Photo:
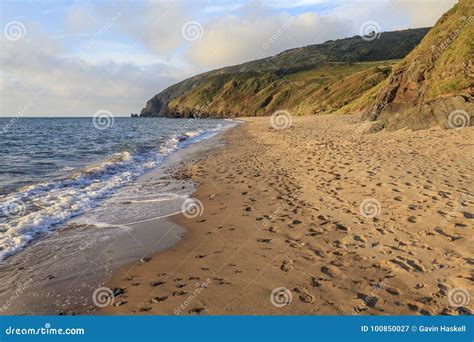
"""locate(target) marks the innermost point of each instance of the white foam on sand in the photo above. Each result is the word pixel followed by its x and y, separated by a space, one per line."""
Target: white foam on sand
pixel 41 207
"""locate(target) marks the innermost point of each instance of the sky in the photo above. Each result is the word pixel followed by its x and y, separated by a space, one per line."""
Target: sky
pixel 75 58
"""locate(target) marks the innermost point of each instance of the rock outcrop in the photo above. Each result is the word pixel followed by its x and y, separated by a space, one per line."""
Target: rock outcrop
pixel 433 85
pixel 314 79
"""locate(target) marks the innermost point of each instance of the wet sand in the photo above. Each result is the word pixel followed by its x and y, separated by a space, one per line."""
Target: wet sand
pixel 59 273
pixel 318 219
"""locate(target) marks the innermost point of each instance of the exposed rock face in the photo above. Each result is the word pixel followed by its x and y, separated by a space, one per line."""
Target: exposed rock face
pixel 236 90
pixel 158 104
pixel 153 106
pixel 434 83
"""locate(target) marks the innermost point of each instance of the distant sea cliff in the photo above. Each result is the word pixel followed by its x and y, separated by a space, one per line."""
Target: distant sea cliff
pixel 411 78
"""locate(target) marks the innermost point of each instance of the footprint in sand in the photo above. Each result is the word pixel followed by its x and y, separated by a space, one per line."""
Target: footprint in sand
pixel 287 266
pixel 295 243
pixel 408 264
pixel 370 301
pixel 360 238
pixel 468 215
pixel 158 299
pixel 442 232
pixel 196 310
pixel 319 252
pixel 326 270
pixel 315 282
pixel 157 283
pixel 392 291
pixel 416 265
pixel 304 295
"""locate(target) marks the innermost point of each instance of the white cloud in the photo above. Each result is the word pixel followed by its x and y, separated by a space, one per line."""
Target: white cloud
pixel 80 19
pixel 159 25
pixel 236 38
pixel 421 13
pixel 116 55
pixel 393 14
pixel 294 3
pixel 233 39
pixel 61 86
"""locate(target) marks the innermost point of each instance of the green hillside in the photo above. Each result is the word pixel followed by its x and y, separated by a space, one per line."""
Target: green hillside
pixel 315 79
pixel 432 82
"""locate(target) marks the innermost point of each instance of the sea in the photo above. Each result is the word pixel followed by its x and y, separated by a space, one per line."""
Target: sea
pixel 58 174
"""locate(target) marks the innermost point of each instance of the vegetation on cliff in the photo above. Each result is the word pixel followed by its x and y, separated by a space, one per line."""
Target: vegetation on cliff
pixel 433 85
pixel 404 79
pixel 314 79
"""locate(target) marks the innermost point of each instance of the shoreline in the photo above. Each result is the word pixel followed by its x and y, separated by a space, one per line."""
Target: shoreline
pixel 100 241
pixel 283 209
pixel 167 255
pixel 174 232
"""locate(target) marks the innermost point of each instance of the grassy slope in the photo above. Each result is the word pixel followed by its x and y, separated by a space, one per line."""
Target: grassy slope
pixel 322 89
pixel 430 82
pixel 450 73
pixel 314 79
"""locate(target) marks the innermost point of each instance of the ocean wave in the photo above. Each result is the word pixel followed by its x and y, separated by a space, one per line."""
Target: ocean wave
pixel 38 208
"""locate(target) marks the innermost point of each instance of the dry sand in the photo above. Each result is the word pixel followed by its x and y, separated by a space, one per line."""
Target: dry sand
pixel 282 209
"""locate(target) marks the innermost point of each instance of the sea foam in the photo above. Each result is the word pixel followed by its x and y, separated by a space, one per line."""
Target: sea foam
pixel 38 208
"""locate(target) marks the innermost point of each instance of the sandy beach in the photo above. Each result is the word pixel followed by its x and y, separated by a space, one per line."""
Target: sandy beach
pixel 317 219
